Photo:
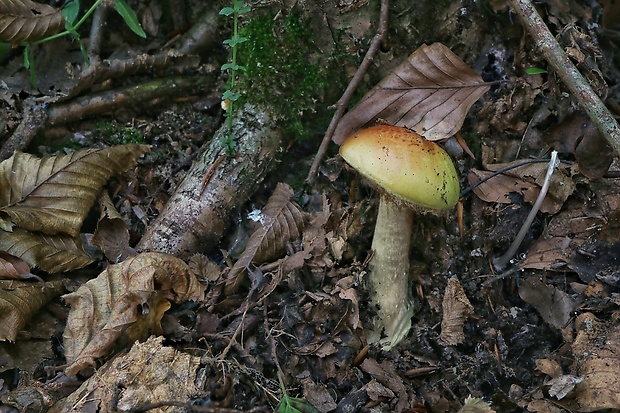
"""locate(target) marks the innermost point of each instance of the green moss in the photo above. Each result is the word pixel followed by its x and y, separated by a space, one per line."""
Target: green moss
pixel 116 134
pixel 284 69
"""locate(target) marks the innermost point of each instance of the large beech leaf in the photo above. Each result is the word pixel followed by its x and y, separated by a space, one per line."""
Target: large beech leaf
pixel 430 93
pixel 19 301
pixel 51 253
pixel 282 221
pixel 127 299
pixel 53 194
pixel 25 20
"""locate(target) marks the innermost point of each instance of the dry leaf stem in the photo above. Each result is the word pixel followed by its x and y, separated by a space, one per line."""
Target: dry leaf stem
pixel 576 83
pixel 342 103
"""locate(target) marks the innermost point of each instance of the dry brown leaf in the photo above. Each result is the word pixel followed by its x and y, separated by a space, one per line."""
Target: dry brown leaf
pixel 386 374
pixel 51 253
pixel 282 221
pixel 13 268
pixel 554 306
pixel 19 301
pixel 430 93
pixel 456 308
pixel 112 233
pixel 525 180
pixel 128 300
pixel 595 349
pixel 53 194
pixel 26 21
pixel 148 373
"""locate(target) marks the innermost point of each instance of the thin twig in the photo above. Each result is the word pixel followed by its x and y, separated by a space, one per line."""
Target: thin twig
pixel 342 103
pixel 572 78
pixel 501 262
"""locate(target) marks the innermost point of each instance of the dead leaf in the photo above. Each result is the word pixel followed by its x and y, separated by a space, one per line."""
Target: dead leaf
pixel 26 21
pixel 19 301
pixel 596 349
pixel 13 268
pixel 148 373
pixel 430 93
pixel 53 194
pixel 525 180
pixel 51 253
pixel 386 374
pixel 112 233
pixel 475 405
pixel 456 308
pixel 128 300
pixel 281 222
pixel 554 306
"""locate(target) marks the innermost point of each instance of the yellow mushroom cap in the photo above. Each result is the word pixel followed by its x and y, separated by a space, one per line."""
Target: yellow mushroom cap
pixel 405 164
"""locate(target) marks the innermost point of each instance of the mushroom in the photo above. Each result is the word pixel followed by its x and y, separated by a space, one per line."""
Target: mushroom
pixel 413 174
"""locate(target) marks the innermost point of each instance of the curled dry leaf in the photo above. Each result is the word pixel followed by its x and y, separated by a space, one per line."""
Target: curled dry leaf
pixel 53 194
pixel 112 233
pixel 430 93
pixel 554 306
pixel 26 21
pixel 128 300
pixel 51 253
pixel 475 405
pixel 456 308
pixel 13 268
pixel 149 373
pixel 282 221
pixel 20 300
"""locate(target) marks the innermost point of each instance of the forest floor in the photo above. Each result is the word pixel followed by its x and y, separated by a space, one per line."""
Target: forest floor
pixel 285 330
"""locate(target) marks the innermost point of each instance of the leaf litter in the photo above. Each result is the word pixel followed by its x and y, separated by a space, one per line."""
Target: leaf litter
pixel 311 302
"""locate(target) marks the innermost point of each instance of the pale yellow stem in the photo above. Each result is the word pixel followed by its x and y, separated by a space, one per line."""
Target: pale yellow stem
pixel 388 282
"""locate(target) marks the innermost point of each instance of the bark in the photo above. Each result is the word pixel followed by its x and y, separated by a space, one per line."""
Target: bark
pixel 195 218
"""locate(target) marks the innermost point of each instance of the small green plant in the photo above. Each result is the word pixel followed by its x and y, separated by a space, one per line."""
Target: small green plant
pixel 70 13
pixel 116 134
pixel 231 94
pixel 292 404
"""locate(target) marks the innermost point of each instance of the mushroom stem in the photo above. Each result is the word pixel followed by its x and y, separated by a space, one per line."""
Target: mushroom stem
pixel 388 282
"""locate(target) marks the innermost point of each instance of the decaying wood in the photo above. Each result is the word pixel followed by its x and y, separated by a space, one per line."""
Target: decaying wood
pixel 195 220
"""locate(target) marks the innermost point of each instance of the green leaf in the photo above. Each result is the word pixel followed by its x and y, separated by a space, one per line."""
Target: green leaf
pixel 231 96
pixel 535 71
pixel 71 11
pixel 227 11
pixel 130 17
pixel 232 66
pixel 245 9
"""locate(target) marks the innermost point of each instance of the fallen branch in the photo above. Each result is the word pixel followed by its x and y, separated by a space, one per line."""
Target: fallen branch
pixel 572 78
pixel 197 215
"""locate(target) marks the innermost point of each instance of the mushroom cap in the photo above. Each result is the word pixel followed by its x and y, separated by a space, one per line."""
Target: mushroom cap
pixel 405 164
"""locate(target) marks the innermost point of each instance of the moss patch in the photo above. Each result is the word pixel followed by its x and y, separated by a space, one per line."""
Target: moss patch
pixel 284 70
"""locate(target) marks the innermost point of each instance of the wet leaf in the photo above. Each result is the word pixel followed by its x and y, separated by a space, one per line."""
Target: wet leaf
pixel 126 300
pixel 430 93
pixel 26 21
pixel 282 221
pixel 19 301
pixel 53 194
pixel 51 253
